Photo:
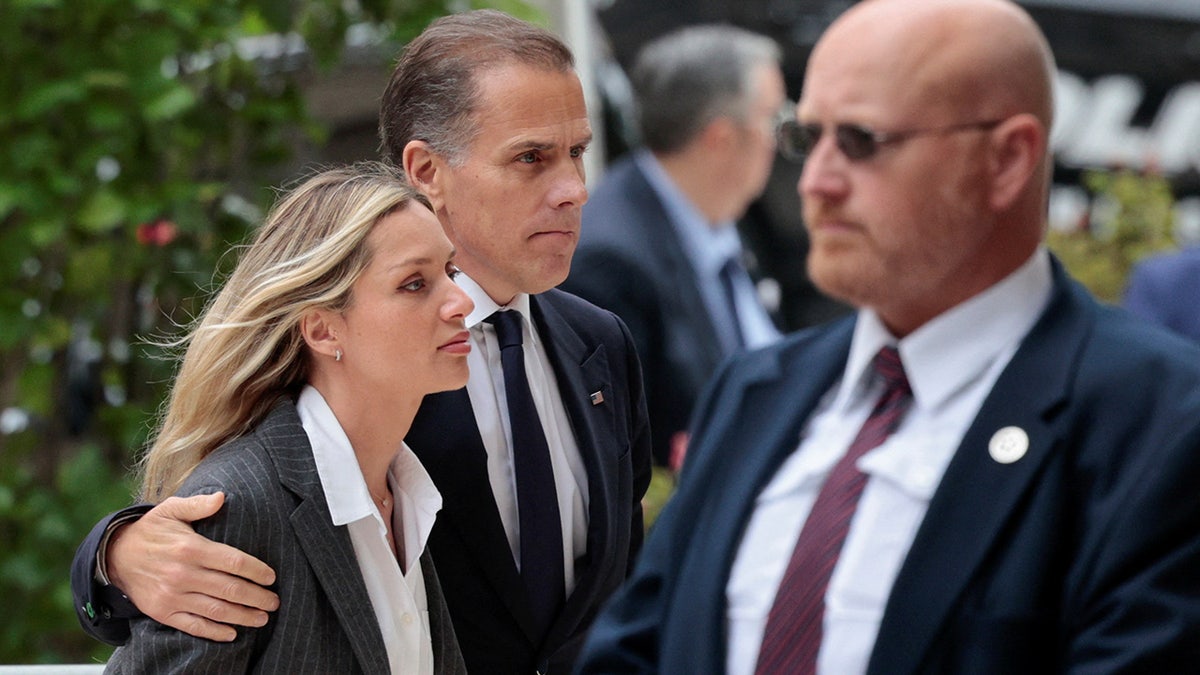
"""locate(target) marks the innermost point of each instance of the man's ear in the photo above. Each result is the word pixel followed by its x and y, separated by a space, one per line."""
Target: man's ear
pixel 1018 156
pixel 319 328
pixel 721 135
pixel 425 170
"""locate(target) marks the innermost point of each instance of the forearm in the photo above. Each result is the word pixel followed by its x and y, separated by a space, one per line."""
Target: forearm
pixel 102 609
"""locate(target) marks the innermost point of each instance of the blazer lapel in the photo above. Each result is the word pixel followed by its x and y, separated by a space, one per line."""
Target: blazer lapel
pixel 582 371
pixel 330 553
pixel 446 439
pixel 977 495
pixel 748 438
pixel 447 658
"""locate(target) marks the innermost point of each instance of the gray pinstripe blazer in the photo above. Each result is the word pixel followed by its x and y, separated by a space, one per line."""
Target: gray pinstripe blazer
pixel 275 509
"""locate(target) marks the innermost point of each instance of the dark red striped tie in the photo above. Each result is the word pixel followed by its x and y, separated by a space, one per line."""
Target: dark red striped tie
pixel 793 633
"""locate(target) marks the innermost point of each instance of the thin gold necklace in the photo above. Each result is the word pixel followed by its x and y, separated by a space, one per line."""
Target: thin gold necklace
pixel 384 502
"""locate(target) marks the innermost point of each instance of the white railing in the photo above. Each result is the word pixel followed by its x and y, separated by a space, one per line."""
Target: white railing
pixel 75 669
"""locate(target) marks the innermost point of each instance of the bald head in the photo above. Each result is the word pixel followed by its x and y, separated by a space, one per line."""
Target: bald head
pixel 963 56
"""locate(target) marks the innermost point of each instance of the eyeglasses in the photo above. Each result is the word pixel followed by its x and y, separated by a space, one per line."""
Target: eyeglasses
pixel 855 141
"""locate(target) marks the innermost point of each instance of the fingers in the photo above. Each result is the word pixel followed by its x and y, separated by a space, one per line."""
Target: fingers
pixel 200 627
pixel 201 609
pixel 189 509
pixel 199 597
pixel 215 580
pixel 231 561
pixel 212 555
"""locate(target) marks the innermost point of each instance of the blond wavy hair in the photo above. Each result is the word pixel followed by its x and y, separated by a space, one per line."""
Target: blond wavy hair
pixel 245 351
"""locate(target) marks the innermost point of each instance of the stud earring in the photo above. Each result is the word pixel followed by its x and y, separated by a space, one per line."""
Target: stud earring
pixel 337 355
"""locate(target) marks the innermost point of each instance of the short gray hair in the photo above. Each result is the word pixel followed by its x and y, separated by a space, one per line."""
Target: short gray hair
pixel 689 77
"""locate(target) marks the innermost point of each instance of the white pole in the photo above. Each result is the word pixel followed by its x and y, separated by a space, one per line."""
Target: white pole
pixel 575 22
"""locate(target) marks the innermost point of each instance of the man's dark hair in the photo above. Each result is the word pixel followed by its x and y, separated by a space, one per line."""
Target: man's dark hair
pixel 433 90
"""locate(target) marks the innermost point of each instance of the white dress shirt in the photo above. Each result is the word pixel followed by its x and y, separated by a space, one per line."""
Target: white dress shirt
pixel 950 377
pixel 485 387
pixel 397 591
pixel 708 247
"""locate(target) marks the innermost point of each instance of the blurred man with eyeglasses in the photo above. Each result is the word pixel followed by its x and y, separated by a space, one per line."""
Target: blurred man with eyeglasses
pixel 659 246
pixel 982 471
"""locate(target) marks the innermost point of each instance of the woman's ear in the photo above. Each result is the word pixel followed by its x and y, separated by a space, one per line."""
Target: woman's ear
pixel 425 169
pixel 1018 156
pixel 319 328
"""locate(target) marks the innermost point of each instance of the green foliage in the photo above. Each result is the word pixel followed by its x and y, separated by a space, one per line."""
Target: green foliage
pixel 133 134
pixel 1133 219
pixel 41 524
pixel 662 486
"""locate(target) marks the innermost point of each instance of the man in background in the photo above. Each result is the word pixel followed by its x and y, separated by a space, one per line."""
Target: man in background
pixel 1165 289
pixel 659 245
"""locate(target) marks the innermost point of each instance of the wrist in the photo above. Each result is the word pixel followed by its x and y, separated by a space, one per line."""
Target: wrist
pixel 103 574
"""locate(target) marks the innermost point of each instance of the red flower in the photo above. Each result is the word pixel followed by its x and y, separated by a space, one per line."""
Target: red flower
pixel 158 233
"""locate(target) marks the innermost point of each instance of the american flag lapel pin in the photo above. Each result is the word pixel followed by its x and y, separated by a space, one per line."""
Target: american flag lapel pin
pixel 597 398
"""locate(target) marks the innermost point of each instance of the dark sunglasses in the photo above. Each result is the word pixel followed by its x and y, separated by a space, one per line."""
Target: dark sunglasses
pixel 855 141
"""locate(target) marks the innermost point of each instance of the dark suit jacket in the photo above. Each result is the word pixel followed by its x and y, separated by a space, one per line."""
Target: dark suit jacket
pixel 1083 556
pixel 590 351
pixel 275 509
pixel 631 261
pixel 1166 290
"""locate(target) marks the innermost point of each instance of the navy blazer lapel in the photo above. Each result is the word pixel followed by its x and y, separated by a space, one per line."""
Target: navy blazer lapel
pixel 328 550
pixel 746 436
pixel 582 370
pixel 977 495
pixel 447 658
pixel 445 437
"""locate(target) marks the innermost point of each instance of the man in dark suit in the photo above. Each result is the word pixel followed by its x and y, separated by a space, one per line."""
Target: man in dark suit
pixel 984 470
pixel 1165 289
pixel 487 117
pixel 659 245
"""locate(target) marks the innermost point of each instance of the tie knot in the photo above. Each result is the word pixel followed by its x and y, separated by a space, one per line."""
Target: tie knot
pixel 890 368
pixel 508 327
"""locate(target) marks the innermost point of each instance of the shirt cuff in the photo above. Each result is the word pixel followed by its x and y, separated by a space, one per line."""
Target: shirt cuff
pixel 101 573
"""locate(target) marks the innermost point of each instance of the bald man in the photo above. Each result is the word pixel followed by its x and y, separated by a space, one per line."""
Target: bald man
pixel 983 470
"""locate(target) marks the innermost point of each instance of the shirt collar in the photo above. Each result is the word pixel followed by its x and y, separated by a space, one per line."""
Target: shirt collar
pixel 345 489
pixel 707 246
pixel 937 359
pixel 485 306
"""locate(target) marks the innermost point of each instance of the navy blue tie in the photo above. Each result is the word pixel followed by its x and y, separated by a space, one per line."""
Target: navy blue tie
pixel 537 499
pixel 732 268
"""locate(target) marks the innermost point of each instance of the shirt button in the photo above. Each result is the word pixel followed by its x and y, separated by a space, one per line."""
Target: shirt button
pixel 406 619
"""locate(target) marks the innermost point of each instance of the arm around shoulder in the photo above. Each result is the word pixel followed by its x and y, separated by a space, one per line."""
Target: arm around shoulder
pixel 162 647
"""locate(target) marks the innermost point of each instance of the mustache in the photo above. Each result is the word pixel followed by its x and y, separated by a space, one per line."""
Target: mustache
pixel 819 213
